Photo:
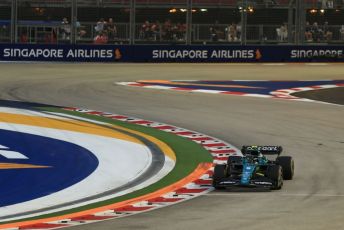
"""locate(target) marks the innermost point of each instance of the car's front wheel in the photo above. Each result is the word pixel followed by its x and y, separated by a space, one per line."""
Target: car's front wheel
pixel 287 164
pixel 274 172
pixel 219 174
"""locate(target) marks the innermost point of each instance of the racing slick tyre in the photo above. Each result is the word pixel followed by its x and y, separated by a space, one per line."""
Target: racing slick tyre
pixel 287 164
pixel 274 172
pixel 219 174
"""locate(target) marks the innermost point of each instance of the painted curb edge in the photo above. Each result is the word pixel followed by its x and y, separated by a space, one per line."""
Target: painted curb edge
pixel 277 94
pixel 195 187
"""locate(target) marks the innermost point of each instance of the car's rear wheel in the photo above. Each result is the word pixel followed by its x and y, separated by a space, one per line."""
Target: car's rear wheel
pixel 274 172
pixel 287 164
pixel 219 174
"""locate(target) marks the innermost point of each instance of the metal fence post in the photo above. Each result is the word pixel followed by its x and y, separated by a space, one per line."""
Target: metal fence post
pixel 302 22
pixel 189 22
pixel 300 16
pixel 291 31
pixel 261 34
pixel 244 22
pixel 132 22
pixel 74 19
pixel 14 21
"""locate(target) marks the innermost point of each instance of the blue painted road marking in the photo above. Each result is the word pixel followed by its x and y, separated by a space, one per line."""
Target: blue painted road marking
pixel 68 164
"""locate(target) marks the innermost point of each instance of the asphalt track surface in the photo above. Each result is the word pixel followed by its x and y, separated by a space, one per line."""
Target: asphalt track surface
pixel 313 133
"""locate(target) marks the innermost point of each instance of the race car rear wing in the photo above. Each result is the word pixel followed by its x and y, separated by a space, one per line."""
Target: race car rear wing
pixel 265 150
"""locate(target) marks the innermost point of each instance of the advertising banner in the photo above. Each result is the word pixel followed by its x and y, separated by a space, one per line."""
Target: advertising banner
pixel 170 53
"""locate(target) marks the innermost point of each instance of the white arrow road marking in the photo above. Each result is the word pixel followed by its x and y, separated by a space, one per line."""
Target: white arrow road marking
pixel 3 147
pixel 12 155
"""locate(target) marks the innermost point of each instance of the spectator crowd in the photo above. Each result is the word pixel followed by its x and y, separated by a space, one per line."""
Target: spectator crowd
pixel 105 31
pixel 167 31
pixel 318 33
pixel 231 33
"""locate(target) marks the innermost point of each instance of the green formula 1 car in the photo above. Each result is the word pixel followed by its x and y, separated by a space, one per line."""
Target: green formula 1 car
pixel 254 169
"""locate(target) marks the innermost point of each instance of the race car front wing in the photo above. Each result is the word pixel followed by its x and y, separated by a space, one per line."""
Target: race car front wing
pixel 230 182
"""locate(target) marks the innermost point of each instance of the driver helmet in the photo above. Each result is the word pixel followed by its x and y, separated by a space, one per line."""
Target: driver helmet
pixel 255 151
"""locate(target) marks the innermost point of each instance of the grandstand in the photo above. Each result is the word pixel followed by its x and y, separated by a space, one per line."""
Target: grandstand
pixel 234 22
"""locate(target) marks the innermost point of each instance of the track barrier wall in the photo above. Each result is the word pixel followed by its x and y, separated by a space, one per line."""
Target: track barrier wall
pixel 170 53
